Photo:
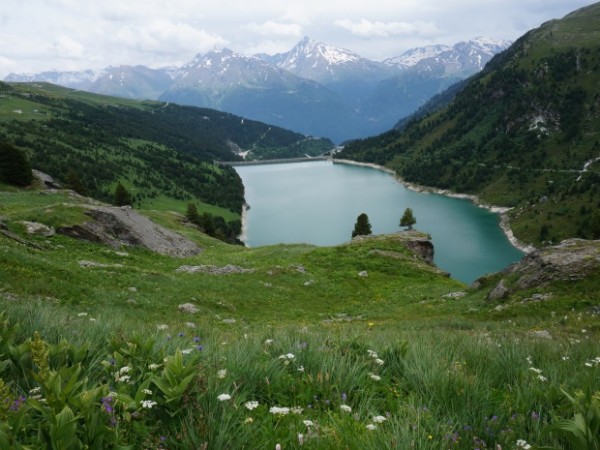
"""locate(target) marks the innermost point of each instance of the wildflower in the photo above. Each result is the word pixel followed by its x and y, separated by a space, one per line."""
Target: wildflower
pixel 17 403
pixel 542 378
pixel 199 347
pixel 148 404
pixel 344 396
pixel 533 369
pixel 346 408
pixel 224 397
pixel 379 361
pixel 162 327
pixel 379 419
pixel 371 426
pixel 535 416
pixel 588 364
pixel 196 339
pixel 222 373
pixel 372 354
pixel 281 410
pixel 375 377
pixel 147 391
pixel 301 369
pixel 297 410
pixel 107 404
pixel 82 314
pixel 124 369
pixel 251 405
pixel 249 420
pixel 565 358
pixel 278 447
pixel 268 341
pixel 300 439
pixel 181 334
pixel 308 423
pixel 153 366
pixel 523 444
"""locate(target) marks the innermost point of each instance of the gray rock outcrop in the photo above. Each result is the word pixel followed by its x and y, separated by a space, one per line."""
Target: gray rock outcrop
pixel 571 260
pixel 122 226
pixel 214 270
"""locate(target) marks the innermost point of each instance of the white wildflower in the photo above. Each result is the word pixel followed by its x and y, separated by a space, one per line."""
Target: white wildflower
pixel 588 364
pixel 224 397
pixel 148 404
pixel 297 410
pixel 346 408
pixel 379 419
pixel 379 361
pixel 565 358
pixel 533 369
pixel 153 366
pixel 249 420
pixel 523 444
pixel 35 390
pixel 308 423
pixel 162 327
pixel 268 341
pixel 222 373
pixel 300 439
pixel 82 314
pixel 375 377
pixel 187 351
pixel 301 369
pixel 281 410
pixel 124 369
pixel 251 405
pixel 372 354
pixel 542 378
pixel 147 391
pixel 371 426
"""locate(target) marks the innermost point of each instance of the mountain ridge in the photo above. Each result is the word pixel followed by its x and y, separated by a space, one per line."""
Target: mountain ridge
pixel 336 93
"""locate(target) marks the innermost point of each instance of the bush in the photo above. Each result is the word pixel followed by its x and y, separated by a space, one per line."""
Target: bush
pixel 14 165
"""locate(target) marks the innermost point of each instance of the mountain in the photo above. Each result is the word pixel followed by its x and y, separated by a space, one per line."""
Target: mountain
pixel 251 87
pixel 522 133
pixel 315 88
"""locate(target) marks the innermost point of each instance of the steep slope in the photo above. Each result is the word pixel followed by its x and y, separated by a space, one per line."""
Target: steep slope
pixel 523 133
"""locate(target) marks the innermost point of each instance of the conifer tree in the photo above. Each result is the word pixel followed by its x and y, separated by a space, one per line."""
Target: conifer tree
pixel 14 165
pixel 362 226
pixel 74 182
pixel 408 219
pixel 121 196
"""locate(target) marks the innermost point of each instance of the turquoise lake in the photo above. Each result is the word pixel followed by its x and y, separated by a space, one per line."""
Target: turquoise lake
pixel 318 203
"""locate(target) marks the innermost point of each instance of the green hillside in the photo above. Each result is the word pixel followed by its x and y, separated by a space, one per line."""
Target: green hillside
pixel 358 346
pixel 162 153
pixel 519 134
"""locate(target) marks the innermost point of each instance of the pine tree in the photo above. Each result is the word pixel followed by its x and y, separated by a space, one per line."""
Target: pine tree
pixel 14 165
pixel 362 226
pixel 192 213
pixel 74 182
pixel 408 219
pixel 122 196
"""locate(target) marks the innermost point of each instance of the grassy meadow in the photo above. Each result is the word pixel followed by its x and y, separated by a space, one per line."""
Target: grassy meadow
pixel 298 351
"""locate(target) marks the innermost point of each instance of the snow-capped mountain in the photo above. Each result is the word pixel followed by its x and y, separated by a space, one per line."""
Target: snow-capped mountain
pixel 324 63
pixel 462 59
pixel 414 55
pixel 253 88
pixel 314 88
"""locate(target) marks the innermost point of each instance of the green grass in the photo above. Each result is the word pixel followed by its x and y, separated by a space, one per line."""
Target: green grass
pixel 453 372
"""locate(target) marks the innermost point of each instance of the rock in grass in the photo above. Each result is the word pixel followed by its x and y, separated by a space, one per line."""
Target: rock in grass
pixel 499 292
pixel 188 308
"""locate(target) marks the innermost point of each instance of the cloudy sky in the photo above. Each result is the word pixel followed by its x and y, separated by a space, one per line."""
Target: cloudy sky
pixel 37 35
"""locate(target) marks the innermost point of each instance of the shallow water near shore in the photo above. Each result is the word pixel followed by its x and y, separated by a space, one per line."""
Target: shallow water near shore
pixel 318 203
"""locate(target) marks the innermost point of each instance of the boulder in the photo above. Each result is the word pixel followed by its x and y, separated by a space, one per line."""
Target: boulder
pixel 188 308
pixel 499 292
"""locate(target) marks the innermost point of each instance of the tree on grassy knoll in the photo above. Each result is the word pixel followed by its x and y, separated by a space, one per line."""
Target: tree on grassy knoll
pixel 362 226
pixel 408 219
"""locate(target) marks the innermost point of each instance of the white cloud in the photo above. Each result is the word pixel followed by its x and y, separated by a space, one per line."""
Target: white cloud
pixel 68 48
pixel 368 29
pixel 164 37
pixel 271 28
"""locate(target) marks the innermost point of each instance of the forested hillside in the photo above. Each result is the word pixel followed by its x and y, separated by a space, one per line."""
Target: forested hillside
pixel 524 133
pixel 155 150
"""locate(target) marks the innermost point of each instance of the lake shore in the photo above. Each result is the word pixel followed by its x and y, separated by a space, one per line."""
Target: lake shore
pixel 502 211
